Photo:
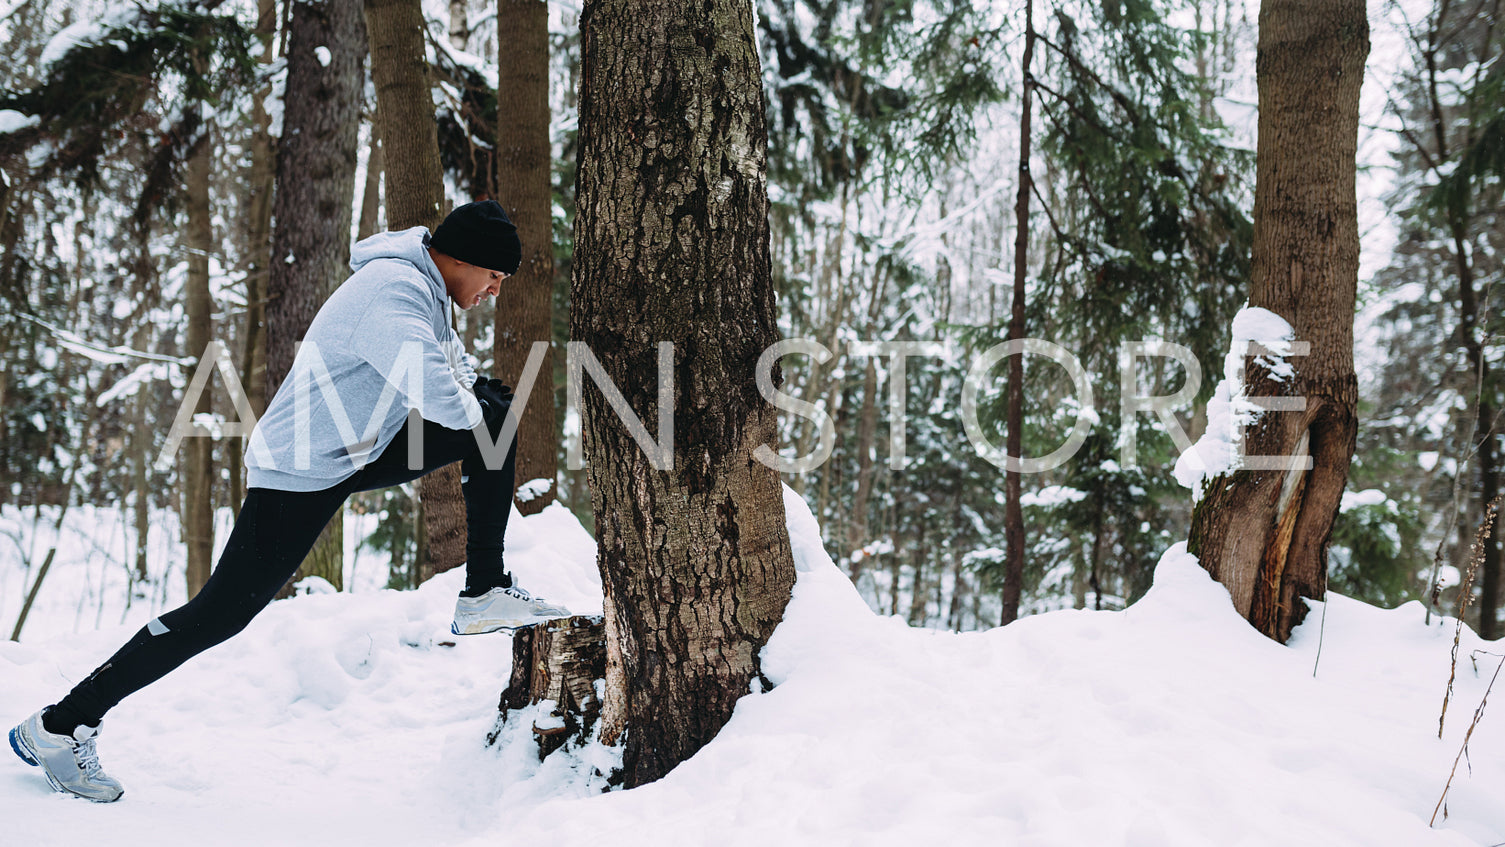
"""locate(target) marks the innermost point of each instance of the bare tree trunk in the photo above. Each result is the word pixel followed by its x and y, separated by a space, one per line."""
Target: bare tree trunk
pixel 917 610
pixel 315 187
pixel 405 114
pixel 958 591
pixel 1264 533
pixel 140 458
pixel 371 195
pixel 57 525
pixel 695 558
pixel 958 575
pixel 1099 552
pixel 198 464
pixel 415 197
pixel 833 297
pixel 1484 435
pixel 145 289
pixel 258 240
pixel 1013 512
pixel 459 27
pixel 896 570
pixel 867 428
pixel 1459 222
pixel 525 306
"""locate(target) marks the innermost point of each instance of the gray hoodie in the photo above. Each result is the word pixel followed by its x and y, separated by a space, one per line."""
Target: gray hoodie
pixel 380 345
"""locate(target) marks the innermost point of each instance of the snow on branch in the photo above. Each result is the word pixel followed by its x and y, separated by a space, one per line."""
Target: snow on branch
pixel 117 355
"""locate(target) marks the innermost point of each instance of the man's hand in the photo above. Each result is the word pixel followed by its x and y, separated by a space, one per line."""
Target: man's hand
pixel 495 397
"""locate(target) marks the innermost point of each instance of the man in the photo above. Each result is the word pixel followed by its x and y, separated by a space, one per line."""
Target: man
pixel 380 351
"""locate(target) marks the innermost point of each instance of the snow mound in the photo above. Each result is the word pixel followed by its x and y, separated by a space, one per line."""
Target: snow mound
pixel 357 718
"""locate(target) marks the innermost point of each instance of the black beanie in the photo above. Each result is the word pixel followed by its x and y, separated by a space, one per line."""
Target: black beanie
pixel 480 234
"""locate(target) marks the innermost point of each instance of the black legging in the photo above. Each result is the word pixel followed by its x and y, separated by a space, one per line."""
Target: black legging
pixel 275 531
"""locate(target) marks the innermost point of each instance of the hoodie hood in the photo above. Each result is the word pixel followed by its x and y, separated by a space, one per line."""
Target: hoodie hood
pixel 409 245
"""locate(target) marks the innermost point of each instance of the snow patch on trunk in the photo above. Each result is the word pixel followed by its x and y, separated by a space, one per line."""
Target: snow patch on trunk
pixel 1230 411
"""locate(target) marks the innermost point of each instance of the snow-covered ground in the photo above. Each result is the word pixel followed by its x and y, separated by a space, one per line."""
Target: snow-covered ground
pixel 356 718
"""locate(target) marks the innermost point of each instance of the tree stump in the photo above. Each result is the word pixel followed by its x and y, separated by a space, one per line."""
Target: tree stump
pixel 559 661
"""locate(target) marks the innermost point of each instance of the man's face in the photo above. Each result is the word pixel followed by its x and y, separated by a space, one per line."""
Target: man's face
pixel 469 284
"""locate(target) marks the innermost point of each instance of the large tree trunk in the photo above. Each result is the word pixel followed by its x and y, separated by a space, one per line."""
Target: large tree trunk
pixel 198 465
pixel 405 115
pixel 695 559
pixel 525 306
pixel 1264 533
pixel 315 185
pixel 415 197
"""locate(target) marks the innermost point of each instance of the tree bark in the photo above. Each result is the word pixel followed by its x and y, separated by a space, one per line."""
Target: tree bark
pixel 36 583
pixel 415 197
pixel 525 306
pixel 671 242
pixel 141 490
pixel 559 661
pixel 1264 533
pixel 917 611
pixel 315 186
pixel 371 195
pixel 1483 434
pixel 459 27
pixel 1459 223
pixel 1013 512
pixel 405 114
pixel 867 428
pixel 258 240
pixel 198 463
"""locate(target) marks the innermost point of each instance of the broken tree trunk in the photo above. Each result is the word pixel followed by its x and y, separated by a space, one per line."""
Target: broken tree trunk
pixel 560 661
pixel 1263 531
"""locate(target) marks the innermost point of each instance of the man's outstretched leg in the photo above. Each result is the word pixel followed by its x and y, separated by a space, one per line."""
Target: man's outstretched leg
pixel 275 530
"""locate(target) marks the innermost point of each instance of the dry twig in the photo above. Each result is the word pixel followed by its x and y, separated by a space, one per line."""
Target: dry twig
pixel 1463 751
pixel 1475 558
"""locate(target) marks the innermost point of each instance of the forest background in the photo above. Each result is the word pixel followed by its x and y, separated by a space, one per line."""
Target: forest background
pixel 138 152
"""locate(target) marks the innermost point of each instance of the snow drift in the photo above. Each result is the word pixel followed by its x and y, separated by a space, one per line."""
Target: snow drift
pixel 356 718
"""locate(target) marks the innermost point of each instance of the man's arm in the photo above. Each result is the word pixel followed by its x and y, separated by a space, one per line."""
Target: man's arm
pixel 461 364
pixel 398 316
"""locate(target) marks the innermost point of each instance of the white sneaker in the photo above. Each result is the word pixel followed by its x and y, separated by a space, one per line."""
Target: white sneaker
pixel 71 763
pixel 502 608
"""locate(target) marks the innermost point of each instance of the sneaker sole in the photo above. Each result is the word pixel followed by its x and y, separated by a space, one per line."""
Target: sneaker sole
pixel 491 626
pixel 23 750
